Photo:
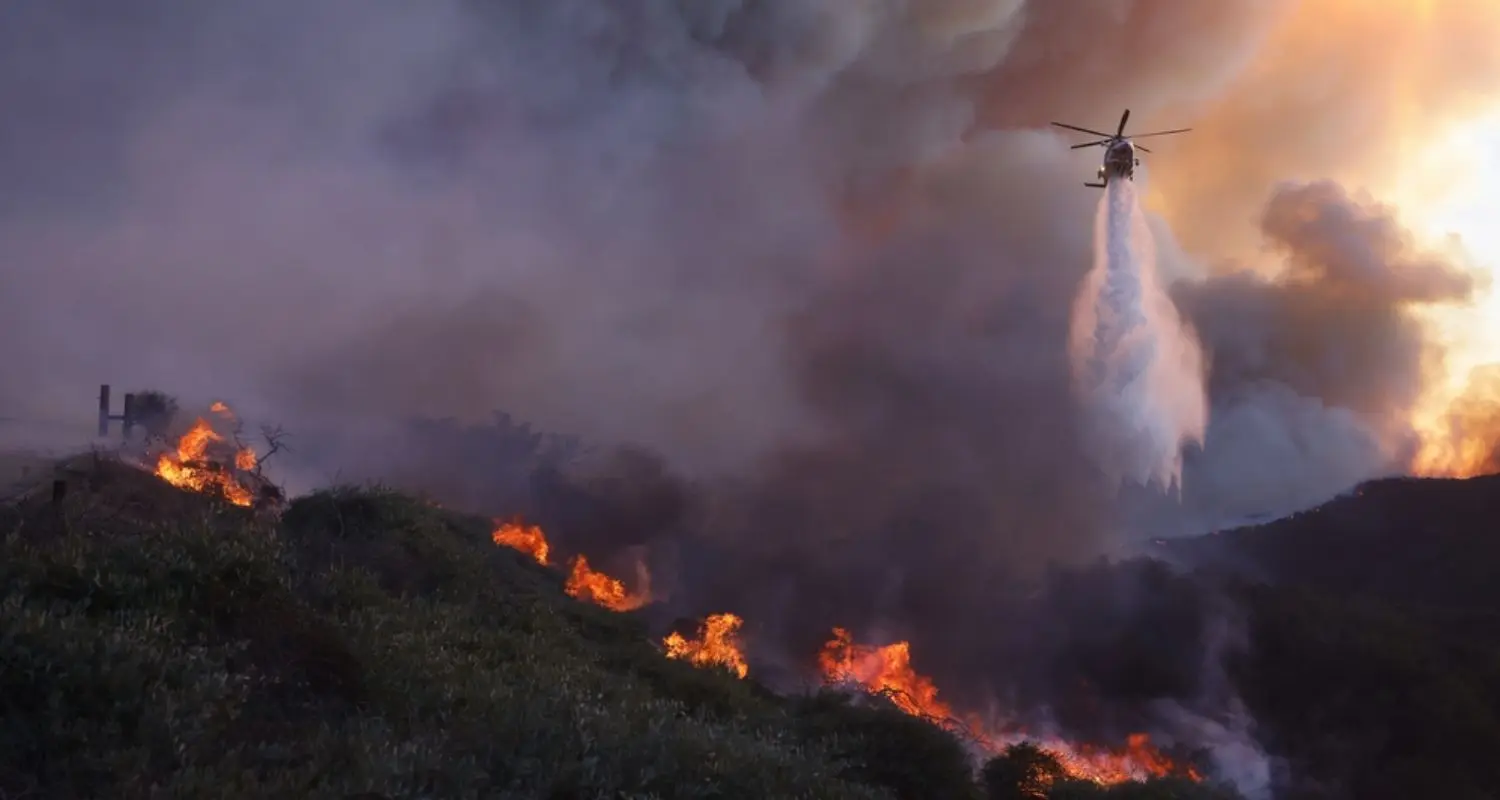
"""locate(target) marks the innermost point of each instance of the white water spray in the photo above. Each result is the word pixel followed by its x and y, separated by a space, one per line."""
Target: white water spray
pixel 1137 367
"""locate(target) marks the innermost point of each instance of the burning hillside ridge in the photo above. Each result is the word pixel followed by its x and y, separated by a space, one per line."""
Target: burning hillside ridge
pixel 884 671
pixel 887 671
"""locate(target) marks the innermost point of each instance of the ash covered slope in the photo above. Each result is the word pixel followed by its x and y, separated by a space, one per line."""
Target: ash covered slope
pixel 1403 540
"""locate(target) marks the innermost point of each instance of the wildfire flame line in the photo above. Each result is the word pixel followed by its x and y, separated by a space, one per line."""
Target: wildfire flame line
pixel 884 670
pixel 887 671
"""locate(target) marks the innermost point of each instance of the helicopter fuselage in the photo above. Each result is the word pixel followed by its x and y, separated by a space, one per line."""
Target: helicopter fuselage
pixel 1119 161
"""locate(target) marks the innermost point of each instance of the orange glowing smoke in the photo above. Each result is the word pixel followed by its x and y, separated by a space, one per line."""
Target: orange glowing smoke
pixel 585 583
pixel 718 644
pixel 528 539
pixel 1466 441
pixel 193 467
pixel 887 670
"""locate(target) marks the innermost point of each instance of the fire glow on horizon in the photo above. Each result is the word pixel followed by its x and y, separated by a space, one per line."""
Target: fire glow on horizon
pixel 1449 195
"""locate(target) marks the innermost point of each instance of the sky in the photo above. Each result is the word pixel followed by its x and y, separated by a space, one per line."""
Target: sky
pixel 368 211
pixel 1451 187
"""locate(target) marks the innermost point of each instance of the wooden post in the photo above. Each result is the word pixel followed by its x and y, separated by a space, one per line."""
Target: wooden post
pixel 103 410
pixel 127 417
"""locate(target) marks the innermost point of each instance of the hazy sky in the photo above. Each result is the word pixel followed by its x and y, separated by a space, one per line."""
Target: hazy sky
pixel 747 235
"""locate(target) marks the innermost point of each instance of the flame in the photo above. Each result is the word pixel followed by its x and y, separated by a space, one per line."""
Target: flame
pixel 585 583
pixel 529 539
pixel 220 408
pixel 1464 441
pixel 718 644
pixel 887 670
pixel 1136 761
pixel 882 670
pixel 1445 190
pixel 192 467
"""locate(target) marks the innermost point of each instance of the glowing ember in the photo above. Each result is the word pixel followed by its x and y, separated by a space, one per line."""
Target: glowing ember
pixel 192 466
pixel 528 539
pixel 887 670
pixel 718 644
pixel 586 584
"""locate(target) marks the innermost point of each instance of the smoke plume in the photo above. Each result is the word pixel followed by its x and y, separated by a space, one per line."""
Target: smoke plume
pixel 1139 370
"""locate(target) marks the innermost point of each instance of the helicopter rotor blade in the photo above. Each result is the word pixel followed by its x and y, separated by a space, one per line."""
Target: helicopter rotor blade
pixel 1123 119
pixel 1089 144
pixel 1080 130
pixel 1161 133
pixel 1143 148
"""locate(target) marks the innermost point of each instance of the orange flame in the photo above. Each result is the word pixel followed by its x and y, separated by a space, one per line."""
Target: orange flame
pixel 528 539
pixel 718 644
pixel 192 467
pixel 882 670
pixel 887 670
pixel 585 583
pixel 1136 761
pixel 1465 441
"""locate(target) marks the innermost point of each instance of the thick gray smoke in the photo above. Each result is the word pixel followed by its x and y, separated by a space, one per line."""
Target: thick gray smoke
pixel 1139 370
pixel 1316 371
pixel 814 254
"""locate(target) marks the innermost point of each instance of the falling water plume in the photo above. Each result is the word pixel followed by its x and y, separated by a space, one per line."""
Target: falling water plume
pixel 1138 369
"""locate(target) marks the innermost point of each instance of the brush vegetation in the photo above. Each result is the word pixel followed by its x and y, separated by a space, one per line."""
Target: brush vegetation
pixel 157 643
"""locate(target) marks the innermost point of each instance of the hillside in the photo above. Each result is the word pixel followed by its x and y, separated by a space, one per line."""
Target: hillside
pixel 363 643
pixel 1409 541
pixel 1373 664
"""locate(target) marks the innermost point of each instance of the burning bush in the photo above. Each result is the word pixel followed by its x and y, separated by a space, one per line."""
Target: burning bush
pixel 209 461
pixel 716 645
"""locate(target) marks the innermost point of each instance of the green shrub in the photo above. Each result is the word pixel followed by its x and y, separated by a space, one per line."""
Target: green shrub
pixel 370 643
pixel 885 746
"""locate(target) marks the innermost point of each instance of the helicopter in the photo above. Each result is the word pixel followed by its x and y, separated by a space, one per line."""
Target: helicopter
pixel 1119 150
